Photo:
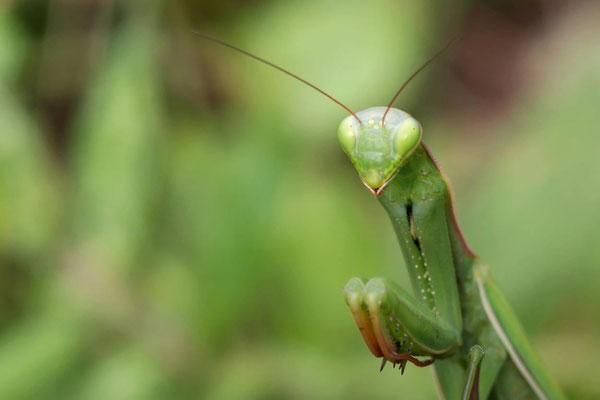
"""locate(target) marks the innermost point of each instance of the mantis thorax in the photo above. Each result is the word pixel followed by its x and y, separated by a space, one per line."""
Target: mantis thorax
pixel 378 149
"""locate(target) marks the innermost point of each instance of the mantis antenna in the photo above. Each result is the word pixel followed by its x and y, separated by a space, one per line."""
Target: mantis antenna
pixel 270 64
pixel 414 74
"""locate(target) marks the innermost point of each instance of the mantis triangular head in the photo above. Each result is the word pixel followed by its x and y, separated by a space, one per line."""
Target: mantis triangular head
pixel 378 148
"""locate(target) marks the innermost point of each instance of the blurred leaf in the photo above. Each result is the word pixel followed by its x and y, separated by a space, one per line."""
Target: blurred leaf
pixel 36 355
pixel 13 47
pixel 128 374
pixel 28 186
pixel 117 149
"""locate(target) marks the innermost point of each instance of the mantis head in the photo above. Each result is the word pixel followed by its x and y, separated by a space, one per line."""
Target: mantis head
pixel 378 150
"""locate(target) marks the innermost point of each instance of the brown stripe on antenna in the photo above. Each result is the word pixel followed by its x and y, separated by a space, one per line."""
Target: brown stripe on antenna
pixel 277 67
pixel 421 68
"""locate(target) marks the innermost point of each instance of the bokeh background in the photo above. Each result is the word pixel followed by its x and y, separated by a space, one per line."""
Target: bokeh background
pixel 177 221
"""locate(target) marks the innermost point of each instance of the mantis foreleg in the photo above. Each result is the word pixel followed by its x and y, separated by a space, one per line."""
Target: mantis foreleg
pixel 394 324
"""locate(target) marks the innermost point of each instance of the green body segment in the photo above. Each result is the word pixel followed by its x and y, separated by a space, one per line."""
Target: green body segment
pixel 456 307
pixel 415 201
pixel 514 339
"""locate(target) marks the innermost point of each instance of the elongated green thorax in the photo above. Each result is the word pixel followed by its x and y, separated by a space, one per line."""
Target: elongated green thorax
pixel 417 200
pixel 394 165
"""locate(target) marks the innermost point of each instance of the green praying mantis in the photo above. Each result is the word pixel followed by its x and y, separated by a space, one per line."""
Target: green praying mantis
pixel 458 318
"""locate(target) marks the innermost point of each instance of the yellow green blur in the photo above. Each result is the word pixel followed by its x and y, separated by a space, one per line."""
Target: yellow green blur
pixel 177 221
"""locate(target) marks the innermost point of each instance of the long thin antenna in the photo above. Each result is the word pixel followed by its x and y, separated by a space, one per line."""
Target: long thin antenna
pixel 270 64
pixel 421 68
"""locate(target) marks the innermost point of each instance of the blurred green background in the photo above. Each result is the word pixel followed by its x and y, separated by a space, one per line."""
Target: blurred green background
pixel 177 221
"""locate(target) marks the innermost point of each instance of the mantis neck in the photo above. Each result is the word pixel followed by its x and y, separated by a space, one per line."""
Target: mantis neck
pixel 422 180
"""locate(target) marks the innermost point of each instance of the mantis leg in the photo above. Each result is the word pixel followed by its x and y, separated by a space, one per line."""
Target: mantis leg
pixel 495 358
pixel 471 391
pixel 396 326
pixel 455 375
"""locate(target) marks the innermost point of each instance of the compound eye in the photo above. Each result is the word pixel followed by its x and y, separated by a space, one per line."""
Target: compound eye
pixel 347 134
pixel 406 137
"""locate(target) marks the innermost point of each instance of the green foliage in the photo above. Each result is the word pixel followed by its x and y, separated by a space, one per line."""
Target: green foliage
pixel 178 221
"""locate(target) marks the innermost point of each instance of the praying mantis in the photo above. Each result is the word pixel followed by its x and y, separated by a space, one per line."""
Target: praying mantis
pixel 458 318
